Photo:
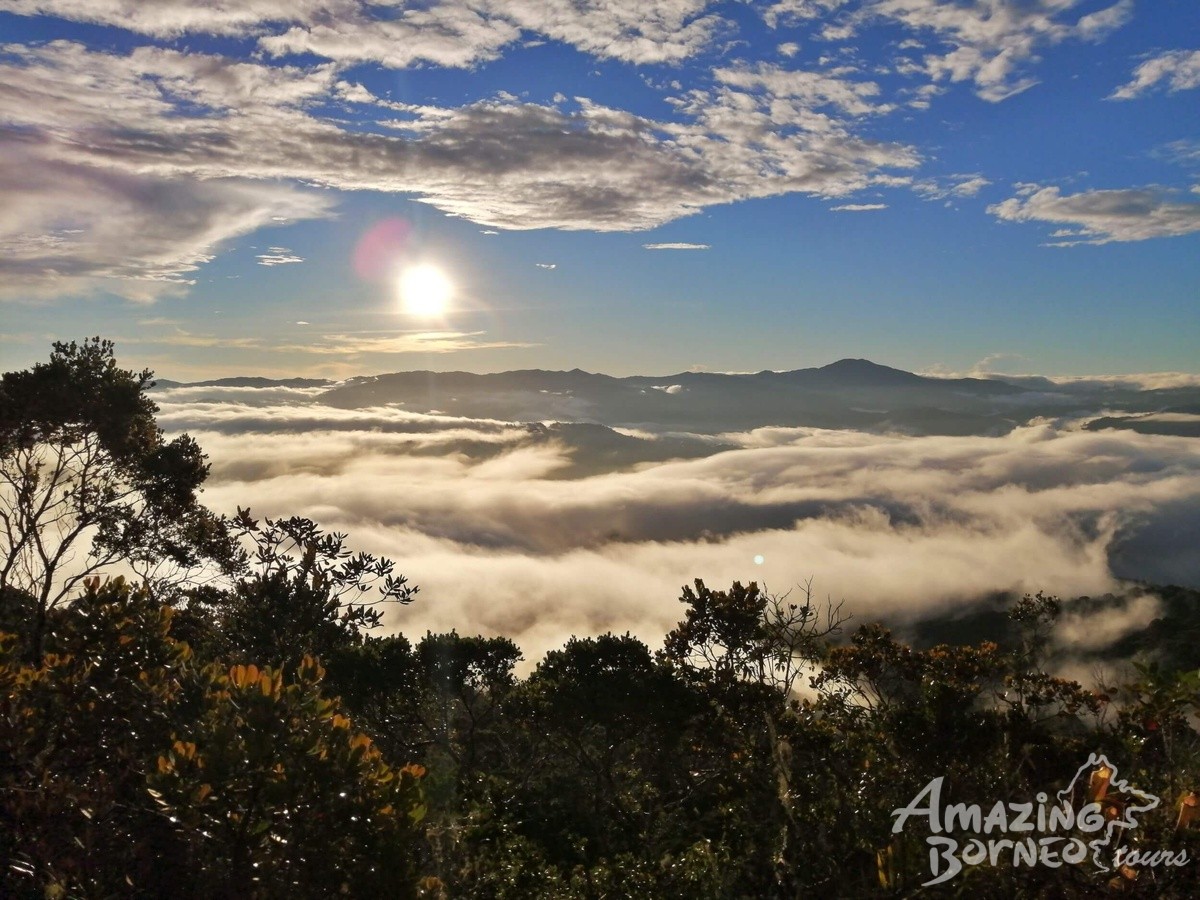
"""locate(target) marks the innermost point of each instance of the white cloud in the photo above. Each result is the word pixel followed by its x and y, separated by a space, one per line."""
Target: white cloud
pixel 792 12
pixel 72 229
pixel 637 31
pixel 951 186
pixel 1183 152
pixel 155 158
pixel 1101 217
pixel 278 256
pixel 677 245
pixel 1180 69
pixel 455 33
pixel 1093 631
pixel 503 539
pixel 546 265
pixel 169 18
pixel 991 41
pixel 808 89
pixel 859 207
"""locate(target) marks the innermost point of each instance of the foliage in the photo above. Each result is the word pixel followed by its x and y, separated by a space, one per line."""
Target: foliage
pixel 129 766
pixel 87 480
pixel 300 592
pixel 275 794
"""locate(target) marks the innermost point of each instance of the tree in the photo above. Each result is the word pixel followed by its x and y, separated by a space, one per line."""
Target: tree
pixel 299 591
pixel 128 767
pixel 87 480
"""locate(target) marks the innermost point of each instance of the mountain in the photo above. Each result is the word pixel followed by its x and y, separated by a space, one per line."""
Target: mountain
pixel 245 381
pixel 850 393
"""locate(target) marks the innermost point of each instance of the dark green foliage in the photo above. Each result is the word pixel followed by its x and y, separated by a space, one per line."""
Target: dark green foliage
pixel 87 479
pixel 131 767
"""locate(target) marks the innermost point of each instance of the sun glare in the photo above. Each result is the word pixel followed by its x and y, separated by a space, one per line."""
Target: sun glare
pixel 425 290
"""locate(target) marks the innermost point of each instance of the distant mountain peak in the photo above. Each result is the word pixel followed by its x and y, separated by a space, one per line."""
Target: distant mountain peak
pixel 858 373
pixel 851 365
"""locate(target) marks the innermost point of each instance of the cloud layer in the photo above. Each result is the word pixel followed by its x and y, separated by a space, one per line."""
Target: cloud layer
pixel 1101 217
pixel 146 163
pixel 506 533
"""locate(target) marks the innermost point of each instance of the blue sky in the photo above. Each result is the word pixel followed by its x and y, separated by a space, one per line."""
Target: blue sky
pixel 1003 185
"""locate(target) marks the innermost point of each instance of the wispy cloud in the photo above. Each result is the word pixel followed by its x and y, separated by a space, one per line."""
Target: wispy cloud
pixel 677 245
pixel 950 186
pixel 1176 70
pixel 859 207
pixel 347 346
pixel 350 345
pixel 1101 217
pixel 278 256
pixel 452 33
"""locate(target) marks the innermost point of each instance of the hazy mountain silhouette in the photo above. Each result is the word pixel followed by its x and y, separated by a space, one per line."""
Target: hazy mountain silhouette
pixel 849 394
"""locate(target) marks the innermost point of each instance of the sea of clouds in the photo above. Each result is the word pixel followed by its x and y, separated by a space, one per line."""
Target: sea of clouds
pixel 503 536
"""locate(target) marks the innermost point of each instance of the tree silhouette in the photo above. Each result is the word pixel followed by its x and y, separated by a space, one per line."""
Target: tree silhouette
pixel 87 479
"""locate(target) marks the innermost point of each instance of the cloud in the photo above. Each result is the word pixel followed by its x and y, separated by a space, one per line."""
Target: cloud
pixel 451 33
pixel 808 89
pixel 1091 384
pixel 507 533
pixel 858 207
pixel 991 41
pixel 546 265
pixel 950 186
pixel 170 18
pixel 635 31
pixel 1096 630
pixel 1180 69
pixel 278 256
pixel 676 245
pixel 347 346
pixel 354 345
pixel 1102 217
pixel 1183 152
pixel 126 172
pixel 793 12
pixel 74 229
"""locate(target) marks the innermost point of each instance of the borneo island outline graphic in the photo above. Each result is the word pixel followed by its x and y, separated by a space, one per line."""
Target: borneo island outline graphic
pixel 1090 817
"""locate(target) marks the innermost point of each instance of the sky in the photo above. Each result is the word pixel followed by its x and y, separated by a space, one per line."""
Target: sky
pixel 234 188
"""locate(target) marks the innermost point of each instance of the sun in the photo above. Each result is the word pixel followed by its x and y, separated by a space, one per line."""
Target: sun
pixel 425 290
